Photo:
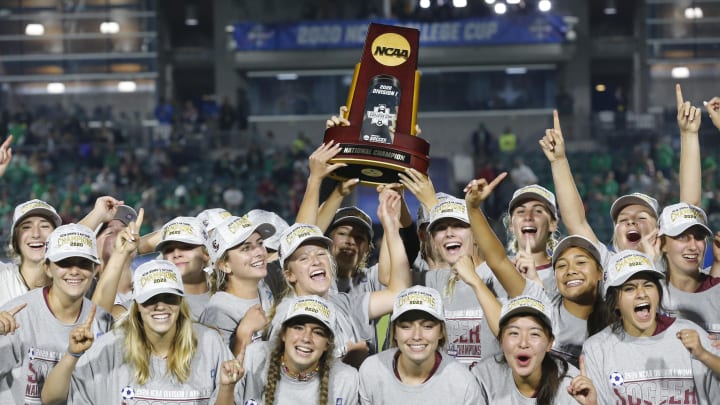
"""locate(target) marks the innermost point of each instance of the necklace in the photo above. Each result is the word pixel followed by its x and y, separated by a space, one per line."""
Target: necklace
pixel 300 377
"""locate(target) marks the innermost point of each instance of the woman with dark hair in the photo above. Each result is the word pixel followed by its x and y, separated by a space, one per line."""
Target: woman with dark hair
pixel 644 356
pixel 298 366
pixel 416 369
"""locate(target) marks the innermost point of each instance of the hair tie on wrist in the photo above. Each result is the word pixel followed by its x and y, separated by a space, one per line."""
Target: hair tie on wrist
pixel 76 355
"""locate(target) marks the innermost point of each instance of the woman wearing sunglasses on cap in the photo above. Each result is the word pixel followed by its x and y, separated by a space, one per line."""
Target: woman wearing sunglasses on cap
pixel 577 306
pixel 526 372
pixel 416 369
pixel 35 327
pixel 156 353
pixel 297 366
pixel 644 356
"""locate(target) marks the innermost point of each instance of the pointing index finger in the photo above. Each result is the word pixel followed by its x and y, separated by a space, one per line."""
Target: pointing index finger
pixel 678 95
pixel 582 366
pixel 556 121
pixel 7 142
pixel 17 309
pixel 91 317
pixel 139 220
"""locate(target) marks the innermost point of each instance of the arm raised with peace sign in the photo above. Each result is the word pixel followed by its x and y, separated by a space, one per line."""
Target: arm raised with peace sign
pixel 125 248
pixel 57 384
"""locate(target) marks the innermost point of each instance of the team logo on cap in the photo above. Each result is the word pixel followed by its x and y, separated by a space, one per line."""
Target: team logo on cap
pixel 525 302
pixel 239 224
pixel 158 276
pixel 251 402
pixel 631 261
pixel 35 204
pixel 312 306
pixel 448 207
pixel 179 228
pixel 417 298
pixel 536 190
pixel 215 245
pixel 687 213
pixel 301 232
pixel 74 239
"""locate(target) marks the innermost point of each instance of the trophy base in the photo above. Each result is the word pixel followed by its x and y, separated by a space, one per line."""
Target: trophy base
pixel 376 163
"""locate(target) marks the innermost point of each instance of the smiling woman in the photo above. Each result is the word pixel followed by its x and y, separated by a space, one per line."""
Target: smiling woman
pixel 155 352
pixel 36 326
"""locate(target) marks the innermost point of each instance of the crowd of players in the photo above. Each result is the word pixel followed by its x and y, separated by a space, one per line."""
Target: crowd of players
pixel 250 310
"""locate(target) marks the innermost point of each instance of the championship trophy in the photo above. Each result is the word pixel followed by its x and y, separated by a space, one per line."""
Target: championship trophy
pixel 381 140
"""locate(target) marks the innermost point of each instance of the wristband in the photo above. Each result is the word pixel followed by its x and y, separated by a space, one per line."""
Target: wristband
pixel 76 355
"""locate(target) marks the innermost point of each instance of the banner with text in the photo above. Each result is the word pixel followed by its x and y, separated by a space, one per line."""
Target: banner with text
pixel 526 29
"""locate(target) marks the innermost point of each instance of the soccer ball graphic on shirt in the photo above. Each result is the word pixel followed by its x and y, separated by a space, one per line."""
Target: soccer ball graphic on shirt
pixel 127 392
pixel 616 379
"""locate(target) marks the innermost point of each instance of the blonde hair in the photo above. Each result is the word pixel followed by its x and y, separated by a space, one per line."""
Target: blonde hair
pixel 138 349
pixel 275 361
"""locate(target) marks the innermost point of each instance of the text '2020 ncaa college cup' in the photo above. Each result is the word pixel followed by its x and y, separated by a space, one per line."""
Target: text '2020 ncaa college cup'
pixel 383 94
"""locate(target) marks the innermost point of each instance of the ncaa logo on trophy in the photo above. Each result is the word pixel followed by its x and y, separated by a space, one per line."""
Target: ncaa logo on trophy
pixel 381 140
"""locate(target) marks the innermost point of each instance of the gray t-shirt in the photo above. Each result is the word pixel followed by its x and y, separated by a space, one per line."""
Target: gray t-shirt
pixel 655 370
pixel 702 307
pixel 197 303
pixel 11 284
pixel 451 383
pixel 498 387
pixel 225 311
pixel 469 336
pixel 102 376
pixel 28 355
pixel 343 385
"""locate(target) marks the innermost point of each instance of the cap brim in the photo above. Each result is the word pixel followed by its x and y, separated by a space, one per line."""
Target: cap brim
pixel 66 255
pixel 144 297
pixel 397 314
pixel 526 311
pixel 617 282
pixel 189 241
pixel 434 222
pixel 626 200
pixel 531 196
pixel 355 221
pixel 40 212
pixel 322 239
pixel 576 241
pixel 680 229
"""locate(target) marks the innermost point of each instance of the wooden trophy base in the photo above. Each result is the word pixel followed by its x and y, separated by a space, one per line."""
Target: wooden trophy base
pixel 376 163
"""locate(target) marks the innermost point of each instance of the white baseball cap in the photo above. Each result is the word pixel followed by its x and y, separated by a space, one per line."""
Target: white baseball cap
pixel 625 264
pixel 295 236
pixel 448 208
pixel 677 218
pixel 534 192
pixel 352 215
pixel 32 208
pixel 233 231
pixel 183 229
pixel 526 305
pixel 156 277
pixel 72 240
pixel 258 216
pixel 312 306
pixel 576 241
pixel 634 198
pixel 418 298
pixel 211 217
pixel 423 215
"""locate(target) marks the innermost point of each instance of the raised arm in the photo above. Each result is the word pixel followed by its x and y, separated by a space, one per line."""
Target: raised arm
pixel 329 207
pixel 126 244
pixel 490 246
pixel 688 118
pixel 571 206
pixel 103 211
pixel 381 302
pixel 384 262
pixel 319 169
pixel 464 269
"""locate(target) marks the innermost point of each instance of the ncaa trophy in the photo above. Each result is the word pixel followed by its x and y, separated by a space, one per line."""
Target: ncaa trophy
pixel 381 140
